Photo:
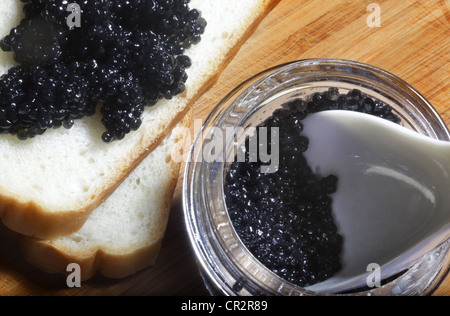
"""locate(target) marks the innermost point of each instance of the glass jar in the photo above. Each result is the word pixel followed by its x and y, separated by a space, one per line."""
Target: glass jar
pixel 226 264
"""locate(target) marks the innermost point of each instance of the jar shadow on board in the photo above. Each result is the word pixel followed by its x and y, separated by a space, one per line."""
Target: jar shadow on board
pixel 228 264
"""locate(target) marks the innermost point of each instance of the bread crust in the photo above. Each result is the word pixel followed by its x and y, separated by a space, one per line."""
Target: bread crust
pixel 33 219
pixel 54 259
pixel 52 256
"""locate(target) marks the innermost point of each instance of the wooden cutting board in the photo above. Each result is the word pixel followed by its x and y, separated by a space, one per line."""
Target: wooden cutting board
pixel 412 42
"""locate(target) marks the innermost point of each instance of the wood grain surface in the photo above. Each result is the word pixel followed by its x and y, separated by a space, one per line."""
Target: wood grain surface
pixel 413 42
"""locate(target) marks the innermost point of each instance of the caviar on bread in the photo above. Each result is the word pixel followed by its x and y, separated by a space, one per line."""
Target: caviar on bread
pixel 124 56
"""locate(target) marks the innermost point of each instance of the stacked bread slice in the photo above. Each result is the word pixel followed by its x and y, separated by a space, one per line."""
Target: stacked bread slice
pixel 123 234
pixel 75 199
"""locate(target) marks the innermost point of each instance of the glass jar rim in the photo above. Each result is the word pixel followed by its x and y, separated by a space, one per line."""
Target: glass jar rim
pixel 209 247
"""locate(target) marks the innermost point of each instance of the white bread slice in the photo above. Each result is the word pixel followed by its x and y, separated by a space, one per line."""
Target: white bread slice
pixel 50 184
pixel 123 235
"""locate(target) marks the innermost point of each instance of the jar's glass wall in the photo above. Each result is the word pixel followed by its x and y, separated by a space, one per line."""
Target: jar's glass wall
pixel 226 264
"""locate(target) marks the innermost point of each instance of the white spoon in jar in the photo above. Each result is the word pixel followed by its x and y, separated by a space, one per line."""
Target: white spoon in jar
pixel 393 200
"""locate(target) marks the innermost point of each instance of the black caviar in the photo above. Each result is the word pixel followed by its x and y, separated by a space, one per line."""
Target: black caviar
pixel 285 218
pixel 125 55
